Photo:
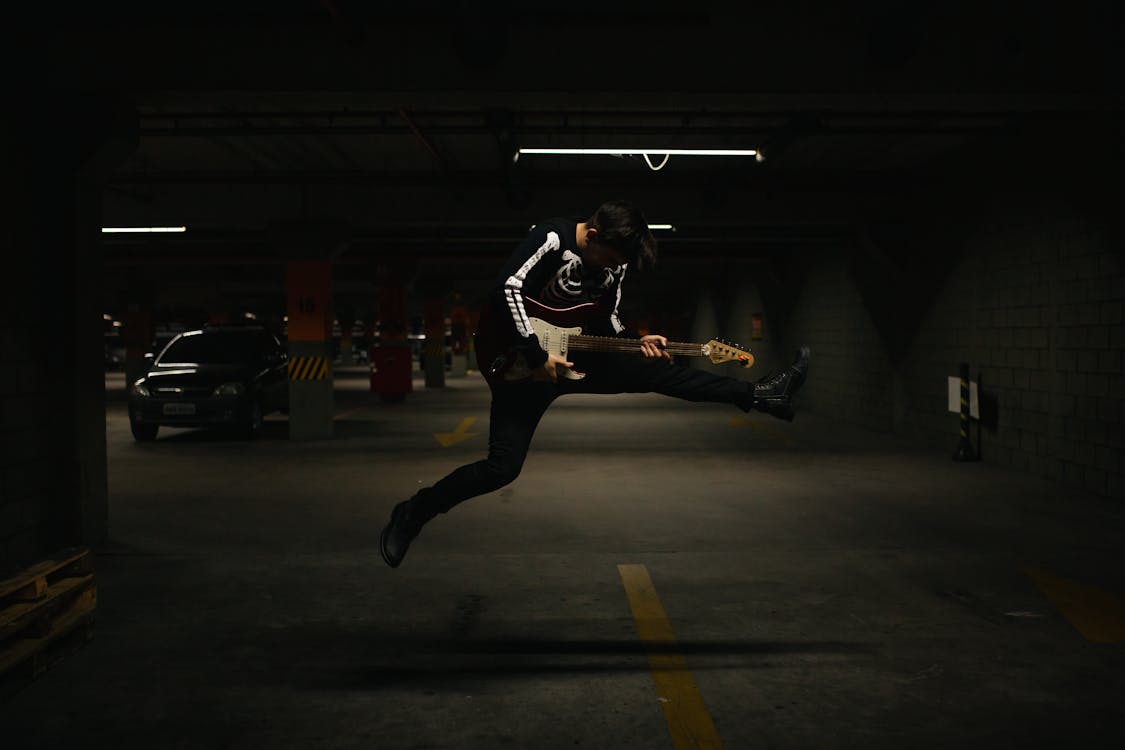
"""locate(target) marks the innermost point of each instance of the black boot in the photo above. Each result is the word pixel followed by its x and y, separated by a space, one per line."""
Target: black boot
pixel 405 524
pixel 773 394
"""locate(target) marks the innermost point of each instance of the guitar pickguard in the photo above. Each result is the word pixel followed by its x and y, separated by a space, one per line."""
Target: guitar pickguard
pixel 554 340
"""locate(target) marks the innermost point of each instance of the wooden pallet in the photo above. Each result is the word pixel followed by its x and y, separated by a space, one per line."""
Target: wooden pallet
pixel 46 612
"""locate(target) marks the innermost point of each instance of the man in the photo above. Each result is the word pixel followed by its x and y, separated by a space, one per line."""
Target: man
pixel 563 263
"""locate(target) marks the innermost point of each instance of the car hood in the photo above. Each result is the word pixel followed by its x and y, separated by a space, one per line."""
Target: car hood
pixel 200 375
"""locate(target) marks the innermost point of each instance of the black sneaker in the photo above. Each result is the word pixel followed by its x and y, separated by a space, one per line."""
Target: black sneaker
pixel 398 534
pixel 774 393
pixel 788 381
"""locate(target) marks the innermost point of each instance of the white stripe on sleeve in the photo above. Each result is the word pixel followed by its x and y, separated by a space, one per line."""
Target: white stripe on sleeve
pixel 613 318
pixel 513 287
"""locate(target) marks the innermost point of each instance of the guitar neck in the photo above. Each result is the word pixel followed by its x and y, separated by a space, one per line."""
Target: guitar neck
pixel 611 344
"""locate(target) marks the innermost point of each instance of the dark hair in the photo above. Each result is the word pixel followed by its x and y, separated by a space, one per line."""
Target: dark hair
pixel 622 226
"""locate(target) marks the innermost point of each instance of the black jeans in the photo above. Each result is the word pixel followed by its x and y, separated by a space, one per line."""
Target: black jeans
pixel 517 409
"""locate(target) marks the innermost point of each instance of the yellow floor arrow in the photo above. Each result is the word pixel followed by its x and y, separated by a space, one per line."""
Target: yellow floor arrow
pixel 452 438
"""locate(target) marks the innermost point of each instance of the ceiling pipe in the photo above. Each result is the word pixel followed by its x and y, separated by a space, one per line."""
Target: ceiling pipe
pixel 425 141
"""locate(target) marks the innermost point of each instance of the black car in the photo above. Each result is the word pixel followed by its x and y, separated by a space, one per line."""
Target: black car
pixel 222 376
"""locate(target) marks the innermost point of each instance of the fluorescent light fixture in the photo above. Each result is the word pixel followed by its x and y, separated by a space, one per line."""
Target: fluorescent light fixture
pixel 650 226
pixel 131 230
pixel 646 151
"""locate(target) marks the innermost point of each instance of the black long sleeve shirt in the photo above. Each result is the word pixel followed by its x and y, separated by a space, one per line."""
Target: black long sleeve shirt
pixel 548 267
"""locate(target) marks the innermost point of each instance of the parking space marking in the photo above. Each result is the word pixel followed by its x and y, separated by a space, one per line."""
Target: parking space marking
pixel 1098 615
pixel 350 412
pixel 755 425
pixel 689 721
pixel 460 434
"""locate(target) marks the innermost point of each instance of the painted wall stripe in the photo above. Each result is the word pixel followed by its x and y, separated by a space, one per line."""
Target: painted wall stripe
pixel 688 720
pixel 308 368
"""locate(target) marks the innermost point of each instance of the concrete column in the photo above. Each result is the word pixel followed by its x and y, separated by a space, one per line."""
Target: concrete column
pixel 347 356
pixel 459 340
pixel 137 330
pixel 435 343
pixel 311 402
pixel 56 148
pixel 745 305
pixel 471 349
pixel 392 364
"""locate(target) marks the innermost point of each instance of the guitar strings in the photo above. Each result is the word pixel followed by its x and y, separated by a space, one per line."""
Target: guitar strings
pixel 609 344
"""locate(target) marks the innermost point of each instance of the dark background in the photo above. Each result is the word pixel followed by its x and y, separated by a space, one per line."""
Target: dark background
pixel 940 185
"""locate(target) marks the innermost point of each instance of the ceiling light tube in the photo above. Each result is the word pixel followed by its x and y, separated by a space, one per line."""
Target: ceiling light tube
pixel 650 151
pixel 650 226
pixel 120 230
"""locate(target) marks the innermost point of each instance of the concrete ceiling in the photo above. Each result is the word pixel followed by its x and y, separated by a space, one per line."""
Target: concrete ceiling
pixel 394 125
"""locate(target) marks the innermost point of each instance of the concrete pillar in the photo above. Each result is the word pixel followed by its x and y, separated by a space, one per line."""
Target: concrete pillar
pixel 471 348
pixel 311 402
pixel 434 368
pixel 137 331
pixel 459 340
pixel 347 356
pixel 392 364
pixel 746 303
pixel 56 148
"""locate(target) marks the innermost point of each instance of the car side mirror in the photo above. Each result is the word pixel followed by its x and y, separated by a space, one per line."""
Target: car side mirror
pixel 149 356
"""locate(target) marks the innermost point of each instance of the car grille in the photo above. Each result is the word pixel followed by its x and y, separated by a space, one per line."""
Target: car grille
pixel 182 392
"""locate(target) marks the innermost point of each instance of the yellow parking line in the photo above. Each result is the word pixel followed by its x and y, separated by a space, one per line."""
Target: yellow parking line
pixel 346 414
pixel 688 720
pixel 755 425
pixel 1098 615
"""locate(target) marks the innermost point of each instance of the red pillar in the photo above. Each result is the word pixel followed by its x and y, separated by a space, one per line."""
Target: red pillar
pixel 392 362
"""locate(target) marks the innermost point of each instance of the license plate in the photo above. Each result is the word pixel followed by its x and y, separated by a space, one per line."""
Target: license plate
pixel 179 410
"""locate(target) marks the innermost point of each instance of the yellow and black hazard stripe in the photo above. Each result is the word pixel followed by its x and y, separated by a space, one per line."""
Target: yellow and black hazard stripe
pixel 308 368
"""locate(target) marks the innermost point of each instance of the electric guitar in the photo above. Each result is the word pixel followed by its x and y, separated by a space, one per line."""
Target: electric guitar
pixel 560 331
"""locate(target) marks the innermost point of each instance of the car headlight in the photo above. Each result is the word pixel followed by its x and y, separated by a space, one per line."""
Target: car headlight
pixel 230 389
pixel 140 389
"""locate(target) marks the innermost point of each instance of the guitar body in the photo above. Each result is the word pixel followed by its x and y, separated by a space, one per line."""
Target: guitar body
pixel 495 339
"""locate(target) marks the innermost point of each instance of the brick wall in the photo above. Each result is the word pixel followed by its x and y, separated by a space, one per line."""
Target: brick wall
pixel 1035 306
pixel 1034 302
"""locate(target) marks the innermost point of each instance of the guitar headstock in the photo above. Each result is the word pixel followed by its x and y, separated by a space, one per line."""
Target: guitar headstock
pixel 721 350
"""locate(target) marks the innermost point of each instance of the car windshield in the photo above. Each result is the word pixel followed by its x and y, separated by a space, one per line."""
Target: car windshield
pixel 214 349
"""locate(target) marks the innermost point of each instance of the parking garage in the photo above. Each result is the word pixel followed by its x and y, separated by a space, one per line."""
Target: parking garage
pixel 927 555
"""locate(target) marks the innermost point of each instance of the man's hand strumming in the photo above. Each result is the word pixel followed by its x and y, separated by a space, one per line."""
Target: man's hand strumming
pixel 548 370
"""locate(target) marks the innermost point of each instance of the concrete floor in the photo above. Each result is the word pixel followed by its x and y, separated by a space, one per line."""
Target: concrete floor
pixel 828 587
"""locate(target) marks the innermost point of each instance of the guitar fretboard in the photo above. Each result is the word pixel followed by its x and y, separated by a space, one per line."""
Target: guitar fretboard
pixel 611 344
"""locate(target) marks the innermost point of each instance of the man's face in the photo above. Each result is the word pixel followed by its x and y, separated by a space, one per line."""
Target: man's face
pixel 599 255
